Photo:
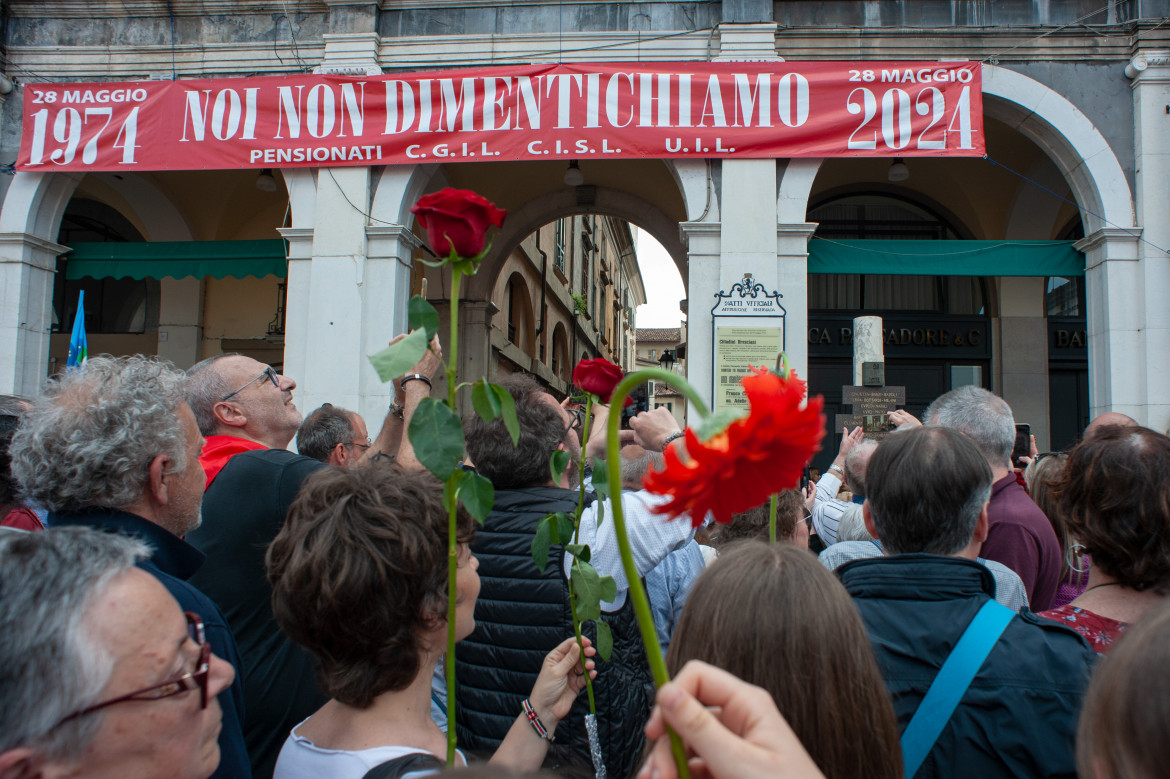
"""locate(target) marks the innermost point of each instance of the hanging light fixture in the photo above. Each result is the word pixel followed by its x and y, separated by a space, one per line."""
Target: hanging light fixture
pixel 266 182
pixel 898 170
pixel 573 176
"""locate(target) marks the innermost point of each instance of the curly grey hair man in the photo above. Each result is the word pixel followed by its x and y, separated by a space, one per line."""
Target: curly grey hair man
pixel 90 439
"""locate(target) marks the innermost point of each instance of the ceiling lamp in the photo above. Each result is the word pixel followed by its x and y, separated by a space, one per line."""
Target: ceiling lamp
pixel 573 176
pixel 266 182
pixel 898 171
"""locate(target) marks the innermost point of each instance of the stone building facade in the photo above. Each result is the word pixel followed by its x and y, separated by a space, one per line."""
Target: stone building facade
pixel 1075 98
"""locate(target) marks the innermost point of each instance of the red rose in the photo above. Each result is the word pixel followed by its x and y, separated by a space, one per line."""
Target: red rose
pixel 457 218
pixel 598 377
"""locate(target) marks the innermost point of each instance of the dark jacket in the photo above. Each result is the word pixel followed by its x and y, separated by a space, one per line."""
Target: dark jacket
pixel 1019 716
pixel 172 562
pixel 243 510
pixel 520 616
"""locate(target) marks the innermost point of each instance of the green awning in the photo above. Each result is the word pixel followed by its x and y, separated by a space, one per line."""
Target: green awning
pixel 946 258
pixel 177 259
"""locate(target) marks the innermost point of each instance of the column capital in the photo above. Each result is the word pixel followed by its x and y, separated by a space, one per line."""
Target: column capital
pixel 350 53
pixel 1122 245
pixel 1147 66
pixel 31 250
pixel 701 237
pixel 300 242
pixel 796 230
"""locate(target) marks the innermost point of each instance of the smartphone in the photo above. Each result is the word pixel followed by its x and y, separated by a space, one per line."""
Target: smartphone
pixel 804 479
pixel 1023 447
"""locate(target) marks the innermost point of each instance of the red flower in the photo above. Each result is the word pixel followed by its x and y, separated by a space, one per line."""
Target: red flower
pixel 457 218
pixel 598 377
pixel 754 457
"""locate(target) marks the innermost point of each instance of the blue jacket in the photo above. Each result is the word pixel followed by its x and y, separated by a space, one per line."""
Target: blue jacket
pixel 1018 718
pixel 172 561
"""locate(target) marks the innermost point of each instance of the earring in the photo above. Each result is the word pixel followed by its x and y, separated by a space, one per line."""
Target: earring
pixel 1073 555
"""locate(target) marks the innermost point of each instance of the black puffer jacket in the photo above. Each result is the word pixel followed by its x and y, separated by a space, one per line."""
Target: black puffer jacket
pixel 520 616
pixel 1019 716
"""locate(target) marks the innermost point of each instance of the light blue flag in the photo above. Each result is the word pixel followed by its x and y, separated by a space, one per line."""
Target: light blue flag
pixel 78 348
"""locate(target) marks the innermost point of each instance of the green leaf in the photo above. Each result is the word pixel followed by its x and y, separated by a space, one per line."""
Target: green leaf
pixel 564 528
pixel 587 588
pixel 600 478
pixel 608 588
pixel 717 423
pixel 397 359
pixel 508 412
pixel 540 542
pixel 422 316
pixel 451 489
pixel 557 463
pixel 477 494
pixel 485 401
pixel 600 510
pixel 604 640
pixel 437 436
pixel 579 551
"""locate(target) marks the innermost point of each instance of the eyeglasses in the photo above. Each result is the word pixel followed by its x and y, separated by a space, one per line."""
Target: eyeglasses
pixel 578 416
pixel 359 444
pixel 188 681
pixel 807 519
pixel 269 373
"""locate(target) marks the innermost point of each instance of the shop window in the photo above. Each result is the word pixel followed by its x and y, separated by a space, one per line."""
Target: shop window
pixel 962 375
pixel 1064 296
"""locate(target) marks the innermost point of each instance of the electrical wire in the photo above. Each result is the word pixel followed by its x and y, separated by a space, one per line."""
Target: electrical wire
pixel 1076 205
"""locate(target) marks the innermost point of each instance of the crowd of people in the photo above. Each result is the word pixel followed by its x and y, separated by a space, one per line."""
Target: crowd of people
pixel 182 596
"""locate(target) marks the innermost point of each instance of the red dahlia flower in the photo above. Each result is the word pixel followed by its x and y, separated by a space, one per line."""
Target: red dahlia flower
pixel 754 457
pixel 457 218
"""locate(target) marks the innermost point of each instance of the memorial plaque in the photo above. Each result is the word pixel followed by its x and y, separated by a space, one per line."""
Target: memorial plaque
pixel 871 407
pixel 747 328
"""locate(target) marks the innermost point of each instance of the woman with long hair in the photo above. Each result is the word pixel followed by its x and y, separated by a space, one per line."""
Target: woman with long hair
pixel 1115 494
pixel 773 616
pixel 1040 476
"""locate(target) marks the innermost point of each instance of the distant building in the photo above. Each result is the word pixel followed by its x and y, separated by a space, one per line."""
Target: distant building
pixel 655 344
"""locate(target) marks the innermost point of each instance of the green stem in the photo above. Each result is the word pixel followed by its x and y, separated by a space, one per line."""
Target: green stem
pixel 577 539
pixel 772 519
pixel 637 593
pixel 452 529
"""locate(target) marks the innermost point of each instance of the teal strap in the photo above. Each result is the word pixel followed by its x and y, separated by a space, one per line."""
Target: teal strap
pixel 952 681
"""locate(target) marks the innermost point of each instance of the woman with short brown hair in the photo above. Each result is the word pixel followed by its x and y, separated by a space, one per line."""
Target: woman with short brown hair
pixel 773 616
pixel 359 578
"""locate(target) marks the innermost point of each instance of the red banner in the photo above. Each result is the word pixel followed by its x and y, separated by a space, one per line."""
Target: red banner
pixel 569 111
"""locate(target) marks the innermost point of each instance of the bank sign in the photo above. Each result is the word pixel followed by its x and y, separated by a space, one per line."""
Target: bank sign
pixel 626 110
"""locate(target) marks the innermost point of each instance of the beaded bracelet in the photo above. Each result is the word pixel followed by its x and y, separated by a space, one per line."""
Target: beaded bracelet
pixel 535 722
pixel 671 437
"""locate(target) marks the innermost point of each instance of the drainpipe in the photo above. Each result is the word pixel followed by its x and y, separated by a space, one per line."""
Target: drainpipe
pixel 543 287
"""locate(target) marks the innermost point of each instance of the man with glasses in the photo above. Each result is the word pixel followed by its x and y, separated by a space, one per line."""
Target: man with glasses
pixel 246 411
pixel 113 446
pixel 101 674
pixel 334 436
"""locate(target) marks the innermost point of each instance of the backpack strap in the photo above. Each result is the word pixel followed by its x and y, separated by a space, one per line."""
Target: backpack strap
pixel 951 683
pixel 400 766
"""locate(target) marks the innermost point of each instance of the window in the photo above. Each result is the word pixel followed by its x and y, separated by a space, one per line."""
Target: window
pixel 1064 296
pixel 561 245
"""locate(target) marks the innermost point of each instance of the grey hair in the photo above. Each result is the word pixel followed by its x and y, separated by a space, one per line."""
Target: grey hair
pixel 323 430
pixel 206 386
pixel 51 664
pixel 634 469
pixel 982 416
pixel 851 526
pixel 855 464
pixel 90 439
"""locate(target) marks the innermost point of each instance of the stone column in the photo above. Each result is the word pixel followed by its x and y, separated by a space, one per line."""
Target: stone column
pixel 703 263
pixel 1150 71
pixel 180 327
pixel 867 345
pixel 385 298
pixel 1022 353
pixel 1117 349
pixel 328 310
pixel 792 282
pixel 27 265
